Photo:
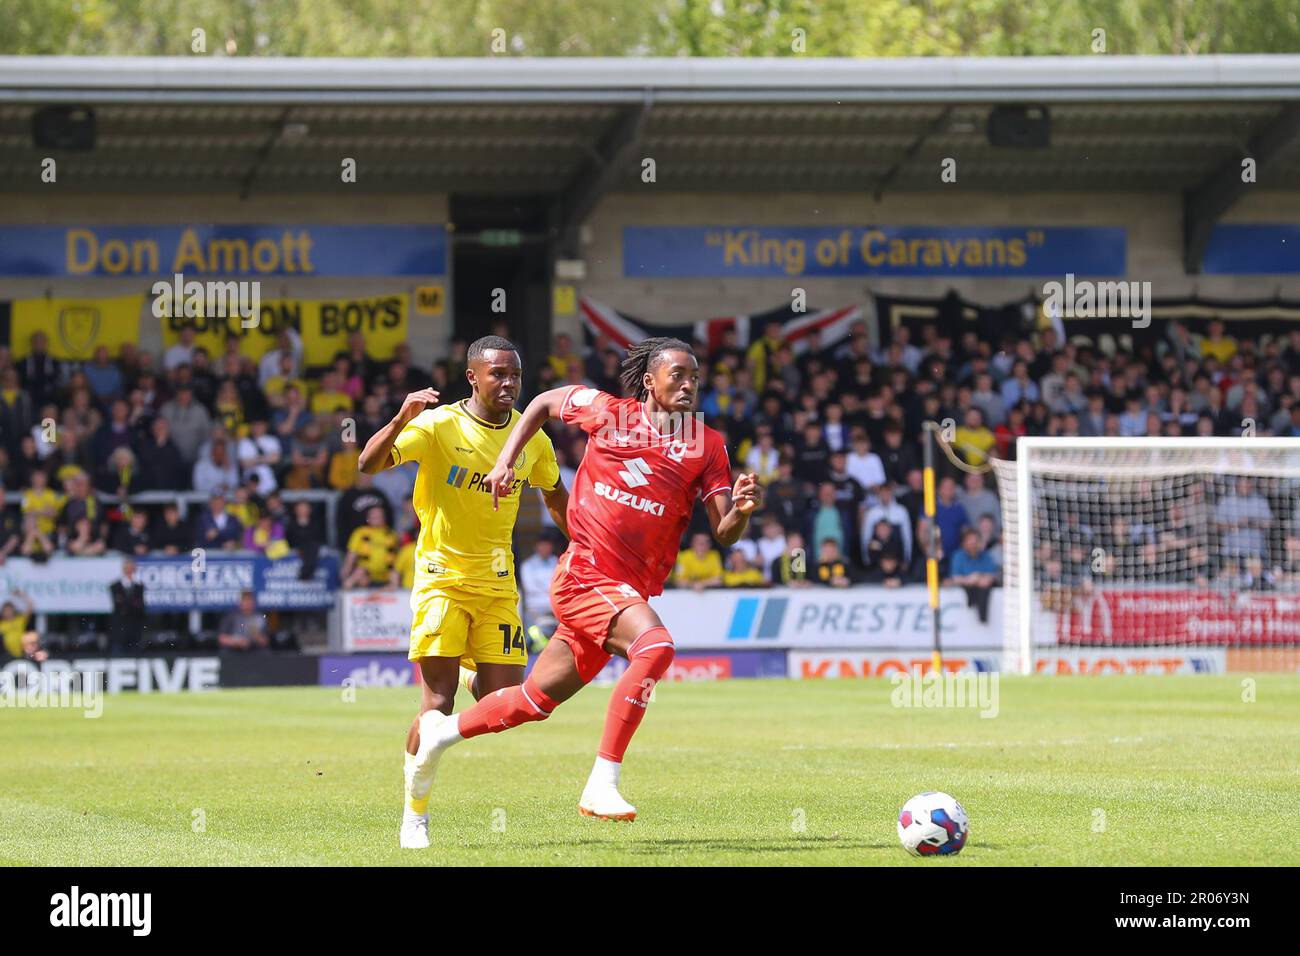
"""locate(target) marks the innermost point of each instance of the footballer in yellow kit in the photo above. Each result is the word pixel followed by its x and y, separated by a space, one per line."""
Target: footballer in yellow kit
pixel 464 601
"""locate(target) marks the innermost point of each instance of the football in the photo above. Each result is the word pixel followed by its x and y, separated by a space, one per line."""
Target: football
pixel 933 824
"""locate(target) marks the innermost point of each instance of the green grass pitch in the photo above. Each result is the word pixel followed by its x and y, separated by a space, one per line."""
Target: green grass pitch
pixel 737 772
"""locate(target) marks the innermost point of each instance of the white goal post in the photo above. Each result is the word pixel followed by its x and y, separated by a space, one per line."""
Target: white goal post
pixel 1148 542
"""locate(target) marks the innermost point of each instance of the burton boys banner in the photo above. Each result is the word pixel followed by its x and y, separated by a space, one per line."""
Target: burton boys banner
pixel 324 324
pixel 207 250
pixel 683 252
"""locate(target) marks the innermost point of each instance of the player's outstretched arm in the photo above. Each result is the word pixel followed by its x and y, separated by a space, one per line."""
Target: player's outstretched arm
pixel 729 513
pixel 378 453
pixel 542 408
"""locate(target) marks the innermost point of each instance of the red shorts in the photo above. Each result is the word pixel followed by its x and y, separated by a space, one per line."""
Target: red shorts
pixel 585 601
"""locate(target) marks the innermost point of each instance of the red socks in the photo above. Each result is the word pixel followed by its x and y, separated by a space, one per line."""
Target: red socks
pixel 648 659
pixel 508 707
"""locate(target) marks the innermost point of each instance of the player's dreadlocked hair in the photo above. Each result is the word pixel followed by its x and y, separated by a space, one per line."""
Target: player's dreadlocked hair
pixel 644 357
pixel 488 343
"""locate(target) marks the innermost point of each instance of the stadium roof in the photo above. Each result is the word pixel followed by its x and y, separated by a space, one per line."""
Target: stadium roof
pixel 624 80
pixel 577 128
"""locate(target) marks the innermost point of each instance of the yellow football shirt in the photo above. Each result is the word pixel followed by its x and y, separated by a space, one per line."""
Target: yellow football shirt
pixel 231 418
pixel 47 503
pixel 324 403
pixel 343 468
pixel 279 384
pixel 750 577
pixel 692 568
pixel 374 548
pixel 11 632
pixel 463 543
pixel 974 444
pixel 246 514
pixel 1224 349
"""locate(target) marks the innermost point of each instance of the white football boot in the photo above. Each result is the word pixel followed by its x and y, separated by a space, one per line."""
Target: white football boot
pixel 600 797
pixel 420 774
pixel 415 830
pixel 605 803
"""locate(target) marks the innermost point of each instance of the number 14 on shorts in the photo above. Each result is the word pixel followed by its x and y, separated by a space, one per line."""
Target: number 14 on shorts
pixel 512 638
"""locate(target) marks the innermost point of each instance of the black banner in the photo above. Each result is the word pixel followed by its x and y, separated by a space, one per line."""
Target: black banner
pixel 952 315
pixel 925 905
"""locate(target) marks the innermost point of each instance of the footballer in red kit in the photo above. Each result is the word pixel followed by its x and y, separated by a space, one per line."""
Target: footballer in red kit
pixel 633 493
pixel 648 459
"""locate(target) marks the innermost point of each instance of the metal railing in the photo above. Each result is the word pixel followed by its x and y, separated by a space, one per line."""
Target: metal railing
pixel 184 500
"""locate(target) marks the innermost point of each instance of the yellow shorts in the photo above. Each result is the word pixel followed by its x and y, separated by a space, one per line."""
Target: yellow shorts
pixel 477 628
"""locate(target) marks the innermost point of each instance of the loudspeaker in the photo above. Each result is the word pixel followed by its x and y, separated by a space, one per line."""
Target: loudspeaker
pixel 1020 127
pixel 64 127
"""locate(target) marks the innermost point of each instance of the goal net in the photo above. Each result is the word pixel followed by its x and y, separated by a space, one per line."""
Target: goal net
pixel 1115 544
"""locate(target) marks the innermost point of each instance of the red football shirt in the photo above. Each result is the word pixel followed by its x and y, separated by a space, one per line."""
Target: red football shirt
pixel 636 486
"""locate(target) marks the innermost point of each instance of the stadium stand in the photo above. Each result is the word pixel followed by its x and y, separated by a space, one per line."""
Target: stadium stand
pixel 236 459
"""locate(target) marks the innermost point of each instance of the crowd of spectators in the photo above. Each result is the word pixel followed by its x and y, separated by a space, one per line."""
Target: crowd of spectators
pixel 833 432
pixel 1237 533
pixel 79 440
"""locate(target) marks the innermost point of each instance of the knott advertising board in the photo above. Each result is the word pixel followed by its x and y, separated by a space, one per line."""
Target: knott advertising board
pixel 818 665
pixel 1095 661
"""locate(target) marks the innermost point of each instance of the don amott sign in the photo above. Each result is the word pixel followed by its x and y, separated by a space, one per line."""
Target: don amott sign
pixel 235 249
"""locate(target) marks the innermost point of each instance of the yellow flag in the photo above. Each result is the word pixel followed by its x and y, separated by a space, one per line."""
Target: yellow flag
pixel 564 300
pixel 75 327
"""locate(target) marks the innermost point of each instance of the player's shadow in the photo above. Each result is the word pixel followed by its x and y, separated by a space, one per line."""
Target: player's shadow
pixel 800 844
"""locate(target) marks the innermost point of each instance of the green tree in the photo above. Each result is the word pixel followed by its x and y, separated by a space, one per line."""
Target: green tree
pixel 701 28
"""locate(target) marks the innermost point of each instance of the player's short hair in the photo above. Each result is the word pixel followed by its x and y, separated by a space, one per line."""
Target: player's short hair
pixel 488 343
pixel 644 357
